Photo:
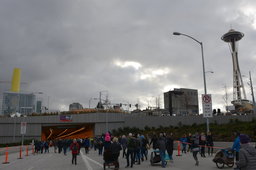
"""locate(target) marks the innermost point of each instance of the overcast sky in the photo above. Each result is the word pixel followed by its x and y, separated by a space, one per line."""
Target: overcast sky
pixel 72 49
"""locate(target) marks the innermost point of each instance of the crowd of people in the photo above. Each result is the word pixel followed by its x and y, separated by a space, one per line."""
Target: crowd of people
pixel 134 147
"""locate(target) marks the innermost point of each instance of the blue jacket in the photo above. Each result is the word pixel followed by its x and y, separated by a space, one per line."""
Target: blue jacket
pixel 184 140
pixel 236 144
pixel 86 143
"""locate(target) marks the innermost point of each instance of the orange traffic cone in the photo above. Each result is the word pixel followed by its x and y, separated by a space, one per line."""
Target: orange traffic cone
pixel 27 150
pixel 6 156
pixel 20 153
pixel 178 149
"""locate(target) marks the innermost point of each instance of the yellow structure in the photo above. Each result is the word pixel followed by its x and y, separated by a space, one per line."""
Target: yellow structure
pixel 16 80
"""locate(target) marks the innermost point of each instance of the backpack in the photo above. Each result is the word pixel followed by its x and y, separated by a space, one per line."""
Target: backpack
pixel 132 143
pixel 75 148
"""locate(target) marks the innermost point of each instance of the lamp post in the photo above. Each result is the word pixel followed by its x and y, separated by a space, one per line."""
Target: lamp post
pixel 202 51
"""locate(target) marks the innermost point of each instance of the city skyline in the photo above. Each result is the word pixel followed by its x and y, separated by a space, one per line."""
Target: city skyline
pixel 72 50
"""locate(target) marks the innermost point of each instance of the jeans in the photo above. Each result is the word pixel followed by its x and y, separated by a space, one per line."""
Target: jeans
pixel 195 155
pixel 130 153
pixel 74 158
pixel 162 155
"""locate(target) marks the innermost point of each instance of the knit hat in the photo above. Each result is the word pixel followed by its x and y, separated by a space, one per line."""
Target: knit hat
pixel 107 137
pixel 244 138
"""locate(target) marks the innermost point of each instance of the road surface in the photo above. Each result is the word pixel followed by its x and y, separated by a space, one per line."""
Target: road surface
pixel 92 161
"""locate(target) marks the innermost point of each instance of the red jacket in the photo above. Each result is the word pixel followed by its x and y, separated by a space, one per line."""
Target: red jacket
pixel 74 147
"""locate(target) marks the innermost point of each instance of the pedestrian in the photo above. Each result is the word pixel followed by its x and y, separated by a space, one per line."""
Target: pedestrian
pixel 86 144
pixel 184 141
pixel 107 142
pixel 195 146
pixel 65 146
pixel 154 141
pixel 74 147
pixel 46 147
pixel 189 141
pixel 115 149
pixel 169 145
pixel 202 143
pixel 144 147
pixel 91 143
pixel 42 146
pixel 60 145
pixel 130 154
pixel 79 141
pixel 124 144
pixel 247 154
pixel 100 145
pixel 209 143
pixel 161 143
pixel 236 145
pixel 138 149
pixel 55 146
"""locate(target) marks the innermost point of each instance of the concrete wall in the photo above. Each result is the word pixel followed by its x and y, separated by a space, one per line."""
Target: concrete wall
pixel 10 127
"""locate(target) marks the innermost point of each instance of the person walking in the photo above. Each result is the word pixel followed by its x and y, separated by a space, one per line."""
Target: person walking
pixel 115 149
pixel 161 143
pixel 60 145
pixel 195 146
pixel 236 145
pixel 144 148
pixel 189 142
pixel 184 142
pixel 65 146
pixel 209 143
pixel 247 154
pixel 169 145
pixel 100 145
pixel 138 149
pixel 202 143
pixel 131 146
pixel 46 147
pixel 74 147
pixel 86 144
pixel 154 141
pixel 124 144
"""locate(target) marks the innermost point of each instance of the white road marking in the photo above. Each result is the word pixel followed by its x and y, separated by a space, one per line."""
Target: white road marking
pixel 87 164
pixel 31 168
pixel 94 161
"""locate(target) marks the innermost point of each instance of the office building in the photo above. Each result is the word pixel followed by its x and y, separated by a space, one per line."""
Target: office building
pixel 181 102
pixel 24 103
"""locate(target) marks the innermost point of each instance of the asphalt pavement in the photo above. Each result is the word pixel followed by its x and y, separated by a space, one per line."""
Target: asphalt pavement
pixel 92 161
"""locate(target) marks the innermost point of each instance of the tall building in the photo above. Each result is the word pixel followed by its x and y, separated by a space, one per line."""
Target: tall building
pixel 24 103
pixel 181 102
pixel 75 106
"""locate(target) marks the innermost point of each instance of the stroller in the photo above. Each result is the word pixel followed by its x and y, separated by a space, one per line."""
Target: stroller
pixel 155 157
pixel 110 160
pixel 224 157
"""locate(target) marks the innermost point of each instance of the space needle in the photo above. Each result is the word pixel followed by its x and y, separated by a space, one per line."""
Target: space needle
pixel 239 97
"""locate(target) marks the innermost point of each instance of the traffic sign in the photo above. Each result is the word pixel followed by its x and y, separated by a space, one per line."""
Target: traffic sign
pixel 207 105
pixel 23 128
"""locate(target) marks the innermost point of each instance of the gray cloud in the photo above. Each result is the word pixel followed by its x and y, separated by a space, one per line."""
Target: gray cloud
pixel 67 48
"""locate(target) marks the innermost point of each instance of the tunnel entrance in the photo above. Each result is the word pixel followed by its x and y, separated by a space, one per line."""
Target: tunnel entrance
pixel 74 131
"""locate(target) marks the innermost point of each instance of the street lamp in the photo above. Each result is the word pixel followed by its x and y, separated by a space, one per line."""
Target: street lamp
pixel 202 51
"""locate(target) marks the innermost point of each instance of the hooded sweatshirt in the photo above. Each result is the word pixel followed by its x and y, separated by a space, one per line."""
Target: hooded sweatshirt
pixel 247 157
